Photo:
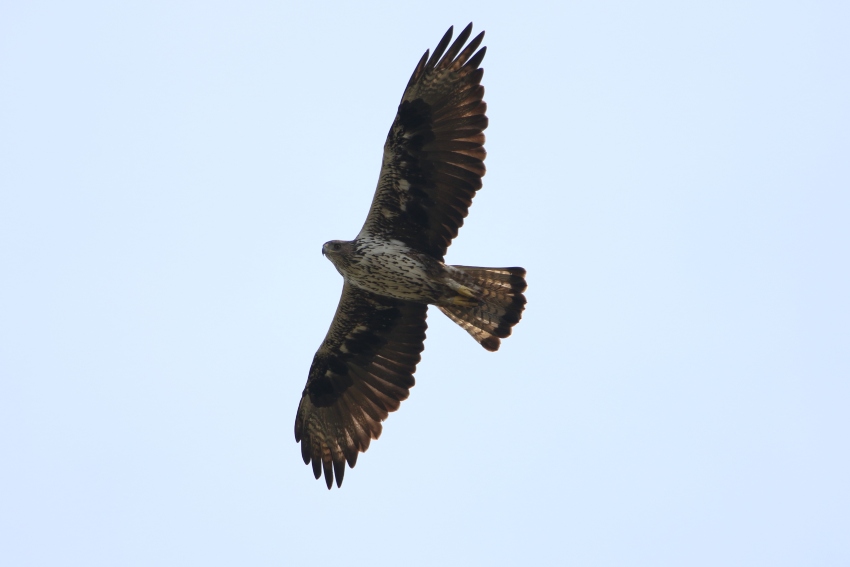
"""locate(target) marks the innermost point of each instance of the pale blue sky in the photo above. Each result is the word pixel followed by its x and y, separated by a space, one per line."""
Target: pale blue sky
pixel 674 176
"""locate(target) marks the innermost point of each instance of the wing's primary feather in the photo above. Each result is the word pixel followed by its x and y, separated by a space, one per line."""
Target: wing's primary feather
pixel 362 371
pixel 434 154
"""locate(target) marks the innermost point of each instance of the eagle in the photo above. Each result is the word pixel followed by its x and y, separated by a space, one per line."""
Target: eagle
pixel 432 166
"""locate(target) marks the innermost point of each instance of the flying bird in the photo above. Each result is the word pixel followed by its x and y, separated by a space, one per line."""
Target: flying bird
pixel 432 166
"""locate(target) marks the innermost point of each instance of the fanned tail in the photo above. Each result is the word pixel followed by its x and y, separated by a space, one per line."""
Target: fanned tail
pixel 499 303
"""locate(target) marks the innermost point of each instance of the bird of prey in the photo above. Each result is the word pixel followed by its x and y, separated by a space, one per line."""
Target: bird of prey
pixel 432 166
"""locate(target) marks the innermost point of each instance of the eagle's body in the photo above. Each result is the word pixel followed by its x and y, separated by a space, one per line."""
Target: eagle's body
pixel 432 167
pixel 389 268
pixel 392 269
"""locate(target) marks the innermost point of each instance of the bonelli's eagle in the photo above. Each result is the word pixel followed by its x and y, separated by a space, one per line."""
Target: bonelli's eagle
pixel 432 166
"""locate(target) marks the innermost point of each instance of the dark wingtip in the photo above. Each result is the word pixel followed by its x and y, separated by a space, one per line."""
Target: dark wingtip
pixel 491 343
pixel 339 471
pixel 414 76
pixel 441 47
pixel 329 475
pixel 476 59
pixel 467 30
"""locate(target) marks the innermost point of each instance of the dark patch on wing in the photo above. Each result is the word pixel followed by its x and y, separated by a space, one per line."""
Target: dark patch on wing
pixel 362 371
pixel 434 153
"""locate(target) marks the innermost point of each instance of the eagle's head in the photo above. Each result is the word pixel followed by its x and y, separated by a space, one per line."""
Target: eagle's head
pixel 339 252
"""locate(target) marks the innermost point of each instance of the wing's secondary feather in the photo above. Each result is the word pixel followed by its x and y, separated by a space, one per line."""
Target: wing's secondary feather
pixel 434 153
pixel 362 371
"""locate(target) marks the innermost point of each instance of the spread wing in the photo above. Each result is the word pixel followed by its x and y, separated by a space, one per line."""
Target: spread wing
pixel 362 371
pixel 434 154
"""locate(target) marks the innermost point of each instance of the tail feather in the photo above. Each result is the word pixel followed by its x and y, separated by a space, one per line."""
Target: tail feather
pixel 500 303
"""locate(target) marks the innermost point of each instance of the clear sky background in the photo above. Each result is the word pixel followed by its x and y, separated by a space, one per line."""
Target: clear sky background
pixel 674 176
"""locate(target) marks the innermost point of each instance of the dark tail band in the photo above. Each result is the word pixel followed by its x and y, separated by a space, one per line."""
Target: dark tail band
pixel 500 306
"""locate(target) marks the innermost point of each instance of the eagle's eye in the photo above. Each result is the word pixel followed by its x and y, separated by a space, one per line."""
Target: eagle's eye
pixel 336 247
